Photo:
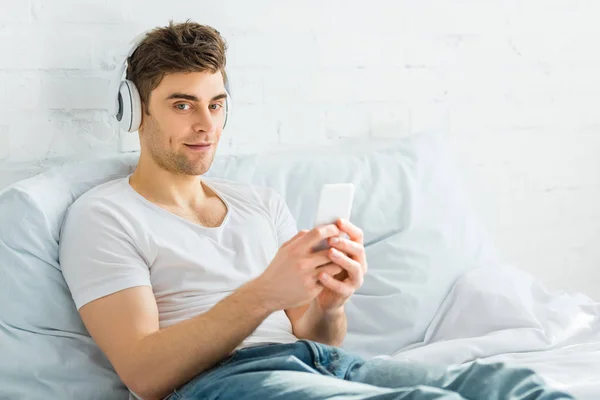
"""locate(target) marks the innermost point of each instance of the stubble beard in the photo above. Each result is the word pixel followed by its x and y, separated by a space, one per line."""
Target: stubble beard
pixel 174 162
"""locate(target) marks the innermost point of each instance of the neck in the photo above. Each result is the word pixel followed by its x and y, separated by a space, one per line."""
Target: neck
pixel 165 187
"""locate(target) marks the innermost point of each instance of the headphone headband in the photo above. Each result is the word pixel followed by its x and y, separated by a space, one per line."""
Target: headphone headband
pixel 122 71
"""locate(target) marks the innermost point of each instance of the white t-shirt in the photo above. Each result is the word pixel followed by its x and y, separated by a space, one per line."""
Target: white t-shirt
pixel 113 238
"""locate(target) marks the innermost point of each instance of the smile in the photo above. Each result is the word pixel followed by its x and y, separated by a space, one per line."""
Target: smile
pixel 199 147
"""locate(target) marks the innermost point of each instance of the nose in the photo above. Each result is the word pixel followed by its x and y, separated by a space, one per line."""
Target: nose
pixel 203 122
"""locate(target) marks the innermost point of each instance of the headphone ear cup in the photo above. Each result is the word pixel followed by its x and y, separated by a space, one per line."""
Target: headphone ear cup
pixel 136 110
pixel 227 109
pixel 130 107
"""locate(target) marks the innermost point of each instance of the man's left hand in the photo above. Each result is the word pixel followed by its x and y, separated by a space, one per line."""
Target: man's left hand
pixel 349 254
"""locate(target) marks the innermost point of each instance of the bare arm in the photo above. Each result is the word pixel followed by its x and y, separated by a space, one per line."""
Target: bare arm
pixel 324 319
pixel 312 323
pixel 153 362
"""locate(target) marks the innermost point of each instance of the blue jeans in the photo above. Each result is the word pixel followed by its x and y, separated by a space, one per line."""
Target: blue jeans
pixel 307 370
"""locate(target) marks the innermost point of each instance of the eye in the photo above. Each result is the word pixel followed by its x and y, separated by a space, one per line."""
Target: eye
pixel 182 106
pixel 215 106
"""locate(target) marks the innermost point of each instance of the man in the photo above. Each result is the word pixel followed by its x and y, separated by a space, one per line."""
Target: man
pixel 199 288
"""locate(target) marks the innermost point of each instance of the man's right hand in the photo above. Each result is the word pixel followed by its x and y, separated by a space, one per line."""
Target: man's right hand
pixel 292 278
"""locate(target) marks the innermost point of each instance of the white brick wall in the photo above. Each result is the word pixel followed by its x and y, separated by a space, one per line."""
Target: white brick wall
pixel 515 82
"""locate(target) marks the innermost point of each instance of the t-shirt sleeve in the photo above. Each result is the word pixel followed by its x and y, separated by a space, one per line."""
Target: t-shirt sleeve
pixel 98 255
pixel 284 221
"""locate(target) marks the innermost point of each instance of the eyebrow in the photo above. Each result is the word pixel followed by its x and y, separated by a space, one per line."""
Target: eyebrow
pixel 191 97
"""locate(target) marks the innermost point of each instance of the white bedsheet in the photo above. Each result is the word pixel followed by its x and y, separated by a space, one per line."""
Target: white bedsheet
pixel 506 315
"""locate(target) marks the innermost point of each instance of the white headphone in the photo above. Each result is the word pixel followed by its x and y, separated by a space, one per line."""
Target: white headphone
pixel 127 105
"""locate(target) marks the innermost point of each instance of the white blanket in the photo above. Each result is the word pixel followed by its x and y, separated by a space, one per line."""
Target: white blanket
pixel 506 315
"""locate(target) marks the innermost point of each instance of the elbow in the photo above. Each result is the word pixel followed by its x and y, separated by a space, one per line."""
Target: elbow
pixel 135 385
pixel 143 380
pixel 143 387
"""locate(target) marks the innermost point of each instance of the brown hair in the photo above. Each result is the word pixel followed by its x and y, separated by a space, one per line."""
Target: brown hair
pixel 183 47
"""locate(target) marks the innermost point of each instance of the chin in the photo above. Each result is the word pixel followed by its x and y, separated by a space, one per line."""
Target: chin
pixel 193 169
pixel 189 168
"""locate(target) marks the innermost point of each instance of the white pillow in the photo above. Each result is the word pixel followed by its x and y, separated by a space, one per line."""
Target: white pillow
pixel 420 231
pixel 46 352
pixel 420 234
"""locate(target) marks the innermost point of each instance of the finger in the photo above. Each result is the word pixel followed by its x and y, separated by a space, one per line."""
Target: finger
pixel 344 289
pixel 318 259
pixel 353 267
pixel 347 246
pixel 355 250
pixel 296 236
pixel 342 276
pixel 329 269
pixel 316 235
pixel 353 231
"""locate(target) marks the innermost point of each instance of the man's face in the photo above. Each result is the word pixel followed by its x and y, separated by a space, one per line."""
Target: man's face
pixel 187 112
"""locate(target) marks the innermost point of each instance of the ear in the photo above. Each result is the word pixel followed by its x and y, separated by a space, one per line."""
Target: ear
pixel 145 114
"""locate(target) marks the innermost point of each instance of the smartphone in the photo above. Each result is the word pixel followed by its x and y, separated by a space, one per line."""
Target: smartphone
pixel 335 202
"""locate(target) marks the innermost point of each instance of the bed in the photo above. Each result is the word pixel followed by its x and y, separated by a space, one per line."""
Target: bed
pixel 437 289
pixel 506 315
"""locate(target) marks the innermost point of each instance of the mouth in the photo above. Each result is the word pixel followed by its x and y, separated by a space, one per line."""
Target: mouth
pixel 199 147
